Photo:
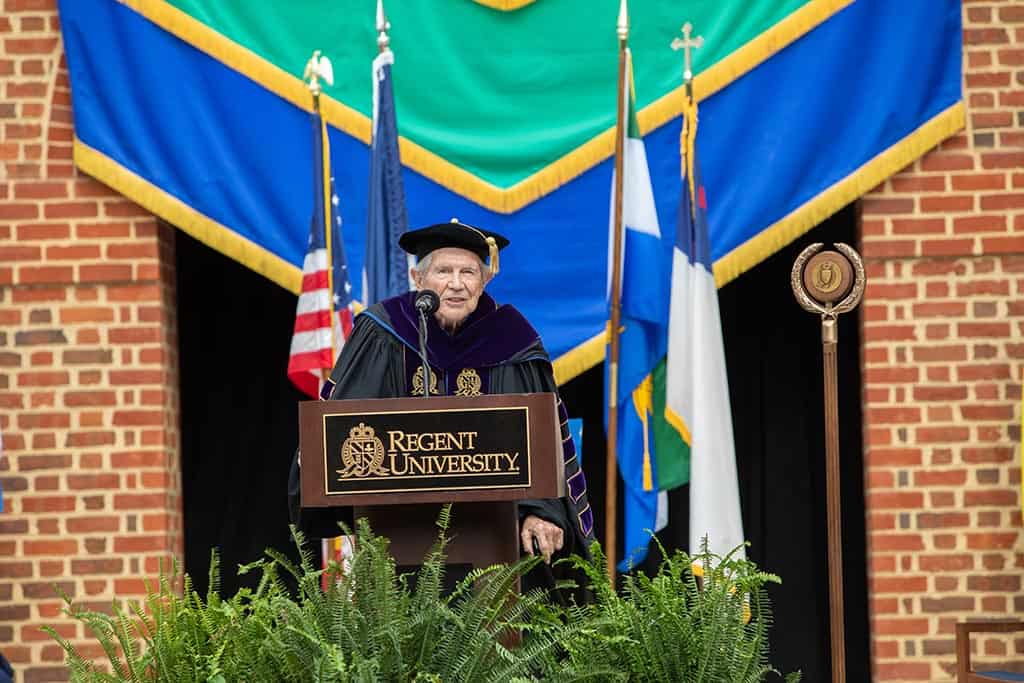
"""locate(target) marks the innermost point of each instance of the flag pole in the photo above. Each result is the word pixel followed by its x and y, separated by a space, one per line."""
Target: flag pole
pixel 319 67
pixel 689 130
pixel 383 26
pixel 830 283
pixel 611 460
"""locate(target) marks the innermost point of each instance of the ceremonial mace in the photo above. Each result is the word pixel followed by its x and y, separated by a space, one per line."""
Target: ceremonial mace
pixel 819 280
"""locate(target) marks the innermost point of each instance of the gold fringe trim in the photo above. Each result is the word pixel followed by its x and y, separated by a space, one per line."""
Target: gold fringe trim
pixel 586 355
pixel 179 214
pixel 548 179
pixel 578 360
pixel 740 61
pixel 591 352
pixel 800 220
pixel 504 5
pixel 249 64
pixel 291 89
pixel 231 54
pixel 667 107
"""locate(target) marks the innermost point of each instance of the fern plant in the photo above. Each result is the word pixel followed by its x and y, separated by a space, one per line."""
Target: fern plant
pixel 374 624
pixel 174 635
pixel 394 631
pixel 370 624
pixel 701 619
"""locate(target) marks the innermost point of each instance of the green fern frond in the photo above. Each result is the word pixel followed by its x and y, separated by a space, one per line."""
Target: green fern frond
pixel 371 623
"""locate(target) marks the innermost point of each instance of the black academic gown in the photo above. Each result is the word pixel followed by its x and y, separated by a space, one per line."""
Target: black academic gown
pixel 496 346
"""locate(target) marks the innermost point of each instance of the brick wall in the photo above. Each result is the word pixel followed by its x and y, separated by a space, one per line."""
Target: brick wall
pixel 943 356
pixel 88 370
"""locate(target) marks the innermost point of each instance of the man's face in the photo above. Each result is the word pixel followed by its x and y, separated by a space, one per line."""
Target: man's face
pixel 457 276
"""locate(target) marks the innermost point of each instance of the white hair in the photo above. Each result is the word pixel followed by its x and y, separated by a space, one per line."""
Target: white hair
pixel 423 265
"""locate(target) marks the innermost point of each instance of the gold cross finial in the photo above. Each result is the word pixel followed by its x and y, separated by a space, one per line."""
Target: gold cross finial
pixel 687 44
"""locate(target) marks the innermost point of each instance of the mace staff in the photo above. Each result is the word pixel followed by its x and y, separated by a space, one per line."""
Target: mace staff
pixel 820 279
pixel 611 459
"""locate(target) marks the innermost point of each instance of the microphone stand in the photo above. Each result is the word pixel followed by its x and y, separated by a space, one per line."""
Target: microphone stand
pixel 423 353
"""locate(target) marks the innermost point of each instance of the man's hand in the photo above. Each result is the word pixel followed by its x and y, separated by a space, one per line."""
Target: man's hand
pixel 549 536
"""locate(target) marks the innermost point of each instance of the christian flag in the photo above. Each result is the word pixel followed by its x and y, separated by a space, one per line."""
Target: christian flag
pixel 386 272
pixel 650 453
pixel 323 315
pixel 697 389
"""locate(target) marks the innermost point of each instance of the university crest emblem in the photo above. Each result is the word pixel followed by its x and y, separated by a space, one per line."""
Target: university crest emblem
pixel 362 453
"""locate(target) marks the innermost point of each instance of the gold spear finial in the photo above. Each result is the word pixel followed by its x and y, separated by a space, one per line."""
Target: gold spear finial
pixel 316 68
pixel 686 44
pixel 623 24
pixel 383 26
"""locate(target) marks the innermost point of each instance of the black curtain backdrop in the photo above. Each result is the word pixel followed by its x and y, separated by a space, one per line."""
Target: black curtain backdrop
pixel 239 431
pixel 239 414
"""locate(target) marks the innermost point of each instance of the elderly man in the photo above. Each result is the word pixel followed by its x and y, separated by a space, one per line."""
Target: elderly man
pixel 474 347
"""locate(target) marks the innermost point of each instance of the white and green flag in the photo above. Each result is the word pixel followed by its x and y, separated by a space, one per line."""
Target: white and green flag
pixel 651 453
pixel 697 387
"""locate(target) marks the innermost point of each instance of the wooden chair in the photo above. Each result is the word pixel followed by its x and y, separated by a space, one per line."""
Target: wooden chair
pixel 964 672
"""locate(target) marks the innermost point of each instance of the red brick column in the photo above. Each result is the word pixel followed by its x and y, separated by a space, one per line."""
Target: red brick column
pixel 88 367
pixel 943 356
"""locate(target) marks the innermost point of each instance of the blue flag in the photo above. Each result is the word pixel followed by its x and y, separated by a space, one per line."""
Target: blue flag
pixel 386 271
pixel 643 337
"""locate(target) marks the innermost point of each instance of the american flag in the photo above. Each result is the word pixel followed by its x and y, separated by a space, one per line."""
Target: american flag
pixel 323 316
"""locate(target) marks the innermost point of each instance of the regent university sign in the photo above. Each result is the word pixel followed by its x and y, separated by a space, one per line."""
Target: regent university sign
pixel 430 450
pixel 426 450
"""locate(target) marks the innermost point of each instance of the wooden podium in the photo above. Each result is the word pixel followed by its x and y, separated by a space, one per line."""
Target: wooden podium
pixel 396 461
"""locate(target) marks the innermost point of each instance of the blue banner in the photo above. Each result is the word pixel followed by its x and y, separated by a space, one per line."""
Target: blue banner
pixel 788 143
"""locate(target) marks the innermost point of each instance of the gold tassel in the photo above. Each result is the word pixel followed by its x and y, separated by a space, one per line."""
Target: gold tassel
pixel 643 404
pixel 648 475
pixel 687 145
pixel 492 248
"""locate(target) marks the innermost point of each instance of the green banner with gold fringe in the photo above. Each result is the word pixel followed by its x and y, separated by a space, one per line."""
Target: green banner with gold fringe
pixel 195 109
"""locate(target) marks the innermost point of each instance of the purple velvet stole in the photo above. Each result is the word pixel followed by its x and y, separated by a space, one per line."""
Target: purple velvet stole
pixel 490 336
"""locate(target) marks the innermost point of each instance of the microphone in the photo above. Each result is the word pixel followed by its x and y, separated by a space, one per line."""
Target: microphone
pixel 427 301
